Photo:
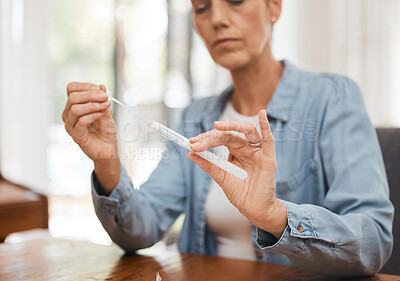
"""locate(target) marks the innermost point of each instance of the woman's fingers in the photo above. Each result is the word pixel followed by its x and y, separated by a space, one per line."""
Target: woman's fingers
pixel 203 136
pixel 223 135
pixel 87 96
pixel 268 146
pixel 214 171
pixel 83 97
pixel 81 87
pixel 247 128
pixel 80 130
pixel 79 110
pixel 215 138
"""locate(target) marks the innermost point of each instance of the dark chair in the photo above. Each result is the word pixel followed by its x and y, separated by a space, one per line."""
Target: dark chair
pixel 21 209
pixel 389 139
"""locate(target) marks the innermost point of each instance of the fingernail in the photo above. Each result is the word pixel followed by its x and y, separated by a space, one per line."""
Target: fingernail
pixel 219 123
pixel 105 103
pixel 103 94
pixel 264 112
pixel 95 88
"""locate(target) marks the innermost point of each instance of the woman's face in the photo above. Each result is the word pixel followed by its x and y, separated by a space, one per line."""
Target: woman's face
pixel 236 32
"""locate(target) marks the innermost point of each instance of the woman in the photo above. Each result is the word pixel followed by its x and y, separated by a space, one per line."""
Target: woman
pixel 333 215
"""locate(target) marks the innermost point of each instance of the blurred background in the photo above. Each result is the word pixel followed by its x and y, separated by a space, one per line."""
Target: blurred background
pixel 148 55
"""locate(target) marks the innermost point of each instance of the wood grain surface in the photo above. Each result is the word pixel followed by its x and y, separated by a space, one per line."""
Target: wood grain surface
pixel 58 259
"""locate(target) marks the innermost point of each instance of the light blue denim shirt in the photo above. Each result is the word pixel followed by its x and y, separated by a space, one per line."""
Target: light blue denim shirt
pixel 330 176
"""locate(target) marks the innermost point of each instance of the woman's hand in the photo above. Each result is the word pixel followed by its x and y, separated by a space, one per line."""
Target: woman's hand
pixel 89 122
pixel 255 196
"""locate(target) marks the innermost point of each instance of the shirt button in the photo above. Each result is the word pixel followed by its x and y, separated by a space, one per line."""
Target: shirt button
pixel 300 228
pixel 259 255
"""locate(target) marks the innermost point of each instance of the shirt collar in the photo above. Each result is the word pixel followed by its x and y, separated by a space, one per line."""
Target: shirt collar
pixel 278 108
pixel 285 94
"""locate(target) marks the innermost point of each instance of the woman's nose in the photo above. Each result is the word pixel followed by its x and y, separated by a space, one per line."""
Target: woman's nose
pixel 219 16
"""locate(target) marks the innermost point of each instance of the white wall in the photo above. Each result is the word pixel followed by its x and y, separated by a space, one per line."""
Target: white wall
pixel 24 96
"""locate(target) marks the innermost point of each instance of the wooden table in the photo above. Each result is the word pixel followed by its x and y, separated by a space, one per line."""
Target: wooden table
pixel 57 259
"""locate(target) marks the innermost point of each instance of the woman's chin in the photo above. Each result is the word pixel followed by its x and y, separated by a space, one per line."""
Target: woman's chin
pixel 231 62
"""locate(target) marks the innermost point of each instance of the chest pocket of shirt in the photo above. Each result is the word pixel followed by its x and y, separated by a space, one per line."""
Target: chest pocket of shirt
pixel 303 186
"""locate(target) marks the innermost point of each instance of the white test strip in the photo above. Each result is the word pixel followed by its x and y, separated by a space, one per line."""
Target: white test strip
pixel 208 155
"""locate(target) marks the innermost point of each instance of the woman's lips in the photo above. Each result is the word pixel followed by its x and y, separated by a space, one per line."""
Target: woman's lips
pixel 225 42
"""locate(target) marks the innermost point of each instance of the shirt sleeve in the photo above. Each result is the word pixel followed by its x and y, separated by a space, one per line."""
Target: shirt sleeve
pixel 350 234
pixel 136 219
